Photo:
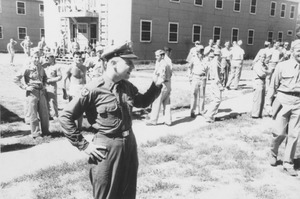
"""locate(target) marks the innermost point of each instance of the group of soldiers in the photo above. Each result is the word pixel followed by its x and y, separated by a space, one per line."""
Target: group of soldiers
pixel 108 99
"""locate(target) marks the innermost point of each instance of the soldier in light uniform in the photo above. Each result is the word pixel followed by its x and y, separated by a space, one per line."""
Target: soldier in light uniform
pixel 162 71
pixel 216 87
pixel 197 71
pixel 11 50
pixel 192 51
pixel 34 83
pixel 225 63
pixel 108 102
pixel 26 44
pixel 286 108
pixel 260 69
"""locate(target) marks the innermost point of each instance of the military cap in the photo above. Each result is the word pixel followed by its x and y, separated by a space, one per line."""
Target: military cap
pixel 159 52
pixel 295 44
pixel 197 42
pixel 267 43
pixel 123 51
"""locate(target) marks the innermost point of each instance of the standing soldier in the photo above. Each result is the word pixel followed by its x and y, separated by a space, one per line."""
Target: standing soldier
pixel 260 72
pixel 216 87
pixel 263 51
pixel 237 58
pixel 275 56
pixel 209 48
pixel 11 50
pixel 26 44
pixel 286 83
pixel 162 71
pixel 35 79
pixel 41 46
pixel 108 103
pixel 192 51
pixel 53 76
pixel 197 71
pixel 225 63
pixel 95 65
pixel 76 73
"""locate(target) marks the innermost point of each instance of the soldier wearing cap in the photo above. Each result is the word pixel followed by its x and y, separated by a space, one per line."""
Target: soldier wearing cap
pixel 263 51
pixel 35 78
pixel 286 83
pixel 260 69
pixel 286 54
pixel 108 102
pixel 216 87
pixel 163 72
pixel 197 72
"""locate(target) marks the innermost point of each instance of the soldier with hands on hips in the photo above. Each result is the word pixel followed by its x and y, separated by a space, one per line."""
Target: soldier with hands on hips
pixel 108 102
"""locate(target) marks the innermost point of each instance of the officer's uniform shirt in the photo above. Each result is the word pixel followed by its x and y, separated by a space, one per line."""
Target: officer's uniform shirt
pixel 215 70
pixel 198 66
pixel 237 53
pixel 225 52
pixel 275 55
pixel 34 76
pixel 286 78
pixel 163 70
pixel 260 69
pixel 108 108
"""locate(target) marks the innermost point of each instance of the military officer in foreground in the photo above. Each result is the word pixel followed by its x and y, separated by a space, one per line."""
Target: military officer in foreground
pixel 107 102
pixel 286 108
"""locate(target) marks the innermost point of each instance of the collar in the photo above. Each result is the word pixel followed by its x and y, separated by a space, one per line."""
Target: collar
pixel 294 63
pixel 108 83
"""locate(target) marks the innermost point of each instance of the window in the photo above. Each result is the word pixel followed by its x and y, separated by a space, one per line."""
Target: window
pixel 198 2
pixel 219 4
pixel 41 10
pixel 145 31
pixel 196 33
pixel 270 36
pixel 292 12
pixel 82 28
pixel 280 36
pixel 175 1
pixel 22 32
pixel 1 32
pixel 21 10
pixel 234 34
pixel 217 33
pixel 273 9
pixel 282 11
pixel 173 32
pixel 253 6
pixel 42 32
pixel 290 33
pixel 250 40
pixel 237 5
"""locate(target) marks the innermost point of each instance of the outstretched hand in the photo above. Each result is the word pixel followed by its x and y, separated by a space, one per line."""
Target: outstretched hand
pixel 96 151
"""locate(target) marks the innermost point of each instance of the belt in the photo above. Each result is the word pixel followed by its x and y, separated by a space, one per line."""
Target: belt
pixel 296 94
pixel 201 75
pixel 122 134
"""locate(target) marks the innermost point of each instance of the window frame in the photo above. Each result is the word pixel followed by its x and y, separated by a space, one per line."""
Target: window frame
pixel 201 5
pixel 42 29
pixel 214 33
pixel 253 13
pixel 41 14
pixel 17 7
pixel 238 31
pixel 248 36
pixel 282 10
pixel 193 33
pixel 1 32
pixel 275 3
pixel 141 31
pixel 280 39
pixel 292 6
pixel 270 40
pixel 240 5
pixel 174 1
pixel 177 33
pixel 216 4
pixel 18 30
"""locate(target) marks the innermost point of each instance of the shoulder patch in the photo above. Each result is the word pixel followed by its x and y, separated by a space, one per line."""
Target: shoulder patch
pixel 84 92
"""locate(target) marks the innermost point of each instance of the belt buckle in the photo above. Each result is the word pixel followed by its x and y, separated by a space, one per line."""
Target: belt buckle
pixel 125 133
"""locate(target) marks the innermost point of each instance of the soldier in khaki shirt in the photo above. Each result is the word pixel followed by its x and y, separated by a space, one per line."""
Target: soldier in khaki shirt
pixel 286 108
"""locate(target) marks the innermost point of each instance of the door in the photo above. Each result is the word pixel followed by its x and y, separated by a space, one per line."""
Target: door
pixel 93 33
pixel 82 35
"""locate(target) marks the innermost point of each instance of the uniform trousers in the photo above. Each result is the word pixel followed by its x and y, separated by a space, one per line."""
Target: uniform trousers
pixel 116 176
pixel 225 66
pixel 271 68
pixel 235 73
pixel 198 86
pixel 52 103
pixel 258 97
pixel 287 123
pixel 37 110
pixel 216 95
pixel 163 100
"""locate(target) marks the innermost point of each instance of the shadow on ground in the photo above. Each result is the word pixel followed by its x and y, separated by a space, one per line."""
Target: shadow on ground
pixel 15 147
pixel 7 116
pixel 5 134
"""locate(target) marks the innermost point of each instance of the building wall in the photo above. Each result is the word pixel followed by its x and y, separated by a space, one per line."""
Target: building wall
pixel 10 21
pixel 161 12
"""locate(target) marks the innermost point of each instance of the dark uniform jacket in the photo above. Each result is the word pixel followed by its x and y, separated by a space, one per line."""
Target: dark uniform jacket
pixel 108 107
